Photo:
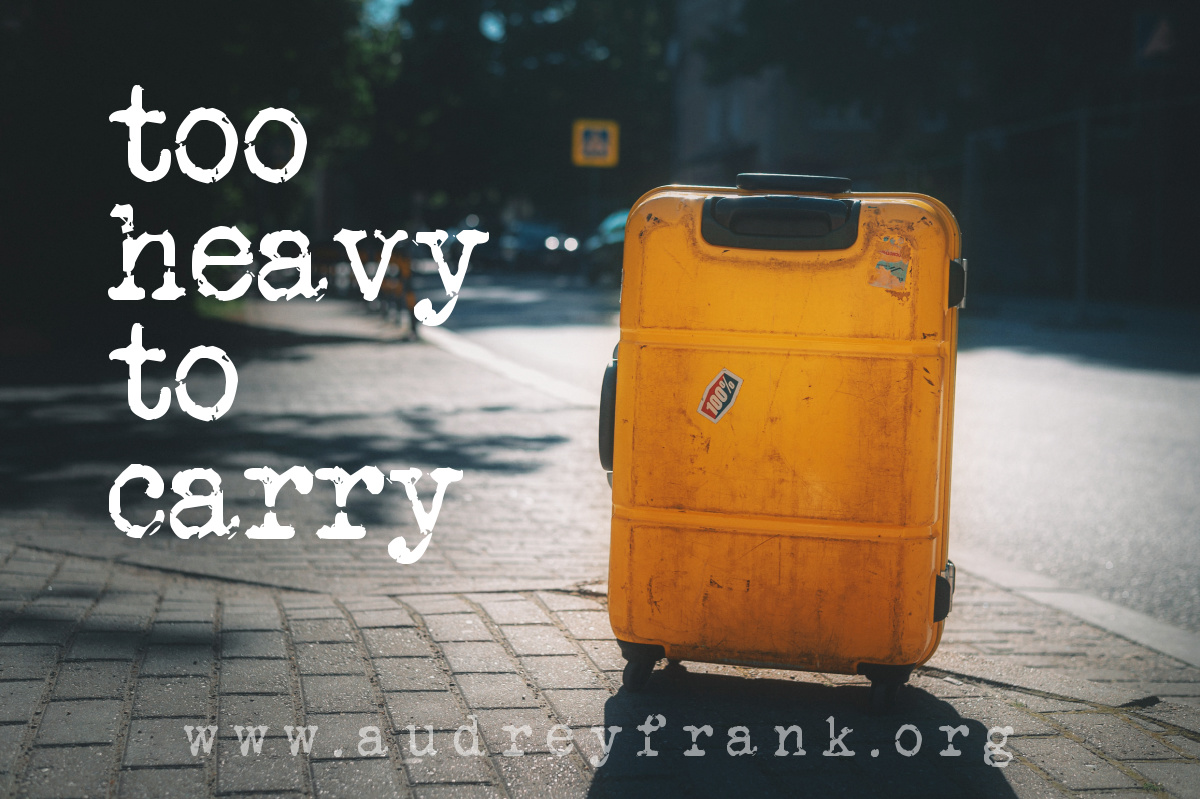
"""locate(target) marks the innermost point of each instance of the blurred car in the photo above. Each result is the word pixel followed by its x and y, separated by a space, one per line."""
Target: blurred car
pixel 536 245
pixel 604 250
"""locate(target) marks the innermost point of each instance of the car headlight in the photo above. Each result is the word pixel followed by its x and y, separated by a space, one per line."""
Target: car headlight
pixel 552 242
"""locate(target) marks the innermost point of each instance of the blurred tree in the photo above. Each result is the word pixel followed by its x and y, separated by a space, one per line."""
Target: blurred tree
pixel 482 111
pixel 66 66
pixel 978 64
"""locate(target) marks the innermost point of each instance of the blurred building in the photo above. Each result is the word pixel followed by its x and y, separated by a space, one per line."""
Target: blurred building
pixel 1050 205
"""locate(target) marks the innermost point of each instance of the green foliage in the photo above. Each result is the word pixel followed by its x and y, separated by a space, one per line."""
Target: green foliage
pixel 978 64
pixel 478 121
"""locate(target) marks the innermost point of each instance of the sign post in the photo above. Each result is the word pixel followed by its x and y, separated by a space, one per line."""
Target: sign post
pixel 595 142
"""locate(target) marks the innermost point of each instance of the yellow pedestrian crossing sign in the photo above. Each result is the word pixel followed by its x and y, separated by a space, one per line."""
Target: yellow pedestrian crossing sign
pixel 594 142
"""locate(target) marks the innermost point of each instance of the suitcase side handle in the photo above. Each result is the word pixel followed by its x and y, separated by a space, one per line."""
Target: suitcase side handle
pixel 608 413
pixel 780 222
pixel 765 181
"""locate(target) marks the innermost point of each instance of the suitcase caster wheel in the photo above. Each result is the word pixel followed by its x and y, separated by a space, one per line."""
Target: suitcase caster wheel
pixel 882 697
pixel 640 661
pixel 637 674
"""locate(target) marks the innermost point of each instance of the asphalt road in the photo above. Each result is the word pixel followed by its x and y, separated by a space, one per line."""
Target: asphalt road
pixel 1077 447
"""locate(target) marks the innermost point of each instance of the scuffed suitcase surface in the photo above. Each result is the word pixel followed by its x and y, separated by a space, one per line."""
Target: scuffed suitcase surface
pixel 804 525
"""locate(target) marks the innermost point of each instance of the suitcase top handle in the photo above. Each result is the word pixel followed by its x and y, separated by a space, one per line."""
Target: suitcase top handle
pixel 765 181
pixel 780 222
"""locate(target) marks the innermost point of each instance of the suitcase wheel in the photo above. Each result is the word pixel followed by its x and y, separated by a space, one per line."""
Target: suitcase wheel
pixel 882 697
pixel 885 681
pixel 637 674
pixel 640 660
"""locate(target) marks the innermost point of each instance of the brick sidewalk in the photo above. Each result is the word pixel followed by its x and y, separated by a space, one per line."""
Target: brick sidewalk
pixel 103 665
pixel 110 647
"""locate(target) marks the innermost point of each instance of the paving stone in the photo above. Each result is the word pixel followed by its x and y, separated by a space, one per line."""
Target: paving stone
pixel 433 604
pixel 199 614
pixel 1113 736
pixel 103 679
pixel 234 622
pixel 10 745
pixel 1125 793
pixel 73 772
pixel 314 613
pixel 354 779
pixel 163 742
pixel 238 773
pixel 26 662
pixel 253 644
pixel 458 627
pixel 250 676
pixel 19 699
pixel 116 623
pixel 477 656
pixel 561 671
pixel 559 601
pixel 329 659
pixel 538 640
pixel 1192 748
pixel 1070 763
pixel 174 783
pixel 446 765
pixel 993 712
pixel 171 696
pixel 1181 779
pixel 337 694
pixel 411 674
pixel 439 709
pixel 177 661
pixel 396 643
pixel 292 602
pixel 275 712
pixel 89 721
pixel 36 632
pixel 521 611
pixel 605 654
pixel 104 646
pixel 587 743
pixel 936 686
pixel 587 624
pixel 458 792
pixel 535 776
pixel 330 631
pixel 393 617
pixel 182 632
pixel 48 610
pixel 338 733
pixel 492 723
pixel 358 603
pixel 1040 704
pixel 579 707
pixel 496 690
pixel 1173 713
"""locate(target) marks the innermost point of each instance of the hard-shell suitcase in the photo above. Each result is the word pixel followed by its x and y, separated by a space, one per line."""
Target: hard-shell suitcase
pixel 777 420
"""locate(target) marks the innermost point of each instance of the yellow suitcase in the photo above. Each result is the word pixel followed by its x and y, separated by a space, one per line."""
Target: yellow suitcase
pixel 777 422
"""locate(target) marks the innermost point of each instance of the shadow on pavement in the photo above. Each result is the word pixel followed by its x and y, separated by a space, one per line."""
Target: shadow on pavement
pixel 62 450
pixel 1158 339
pixel 533 300
pixel 86 359
pixel 685 698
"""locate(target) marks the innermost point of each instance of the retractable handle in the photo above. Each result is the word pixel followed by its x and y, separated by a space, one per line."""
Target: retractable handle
pixel 769 221
pixel 818 184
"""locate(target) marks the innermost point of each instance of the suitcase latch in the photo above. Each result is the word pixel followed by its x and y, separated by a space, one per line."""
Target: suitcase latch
pixel 957 293
pixel 943 592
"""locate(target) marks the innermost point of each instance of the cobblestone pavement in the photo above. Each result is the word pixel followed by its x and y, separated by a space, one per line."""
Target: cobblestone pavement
pixel 112 648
